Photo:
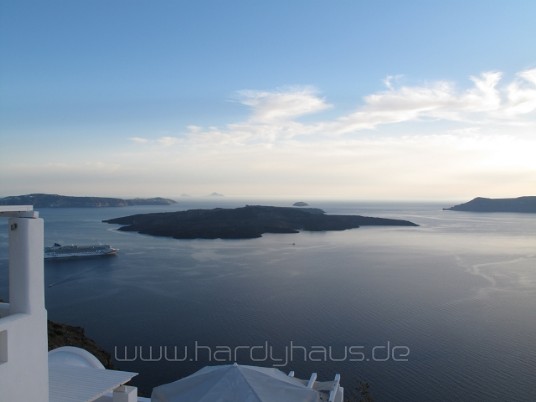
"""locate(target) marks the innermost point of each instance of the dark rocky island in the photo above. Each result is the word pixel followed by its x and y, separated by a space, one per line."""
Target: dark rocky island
pixel 522 204
pixel 300 204
pixel 244 223
pixel 65 201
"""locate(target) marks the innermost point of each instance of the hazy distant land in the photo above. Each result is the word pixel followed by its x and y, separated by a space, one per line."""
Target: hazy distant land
pixel 65 201
pixel 525 204
pixel 244 223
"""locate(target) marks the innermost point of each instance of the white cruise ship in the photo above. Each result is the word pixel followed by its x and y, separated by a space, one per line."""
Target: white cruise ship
pixel 58 251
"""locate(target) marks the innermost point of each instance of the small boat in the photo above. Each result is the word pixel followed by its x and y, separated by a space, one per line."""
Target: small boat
pixel 58 251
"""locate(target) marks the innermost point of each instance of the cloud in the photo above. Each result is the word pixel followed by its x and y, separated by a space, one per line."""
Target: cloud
pixel 139 140
pixel 275 116
pixel 521 94
pixel 433 139
pixel 441 100
pixel 164 141
pixel 283 104
pixel 388 81
pixel 484 96
pixel 167 141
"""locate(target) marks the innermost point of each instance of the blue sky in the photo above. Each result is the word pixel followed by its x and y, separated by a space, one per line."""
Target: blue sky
pixel 341 99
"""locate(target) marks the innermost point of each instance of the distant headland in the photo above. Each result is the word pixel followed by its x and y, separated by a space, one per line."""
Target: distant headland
pixel 248 222
pixel 65 201
pixel 525 204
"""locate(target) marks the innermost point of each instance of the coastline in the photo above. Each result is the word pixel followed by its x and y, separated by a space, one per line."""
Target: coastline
pixel 60 334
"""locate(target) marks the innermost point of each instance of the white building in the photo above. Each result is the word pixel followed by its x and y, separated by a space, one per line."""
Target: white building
pixel 23 321
pixel 29 373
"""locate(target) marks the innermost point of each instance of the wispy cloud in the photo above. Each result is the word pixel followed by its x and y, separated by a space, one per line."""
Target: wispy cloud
pixel 282 105
pixel 167 141
pixel 275 116
pixel 139 140
pixel 467 140
pixel 521 94
pixel 484 101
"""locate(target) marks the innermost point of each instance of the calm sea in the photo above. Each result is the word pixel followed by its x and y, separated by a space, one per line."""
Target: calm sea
pixel 441 312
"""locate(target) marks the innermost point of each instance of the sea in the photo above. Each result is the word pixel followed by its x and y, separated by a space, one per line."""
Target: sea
pixel 445 311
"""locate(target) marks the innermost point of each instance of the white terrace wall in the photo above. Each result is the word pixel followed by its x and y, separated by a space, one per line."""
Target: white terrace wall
pixel 23 321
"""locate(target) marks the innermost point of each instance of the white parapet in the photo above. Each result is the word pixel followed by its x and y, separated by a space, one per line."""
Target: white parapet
pixel 125 393
pixel 15 210
pixel 23 324
pixel 26 272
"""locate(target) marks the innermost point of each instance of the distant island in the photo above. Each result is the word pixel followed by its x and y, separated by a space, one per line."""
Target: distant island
pixel 522 204
pixel 248 222
pixel 65 201
pixel 300 204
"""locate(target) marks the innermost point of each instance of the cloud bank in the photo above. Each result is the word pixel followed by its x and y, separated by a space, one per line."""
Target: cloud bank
pixel 276 116
pixel 440 140
pixel 431 140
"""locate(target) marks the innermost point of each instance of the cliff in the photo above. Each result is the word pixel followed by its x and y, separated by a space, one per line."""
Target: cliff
pixel 522 204
pixel 67 335
pixel 65 201
pixel 244 223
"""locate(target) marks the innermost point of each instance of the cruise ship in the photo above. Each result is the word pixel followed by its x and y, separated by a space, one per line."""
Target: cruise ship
pixel 58 251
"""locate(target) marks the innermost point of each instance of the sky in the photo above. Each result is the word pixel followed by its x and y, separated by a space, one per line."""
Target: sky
pixel 363 100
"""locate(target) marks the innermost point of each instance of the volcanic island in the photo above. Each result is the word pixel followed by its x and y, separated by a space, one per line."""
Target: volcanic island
pixel 248 222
